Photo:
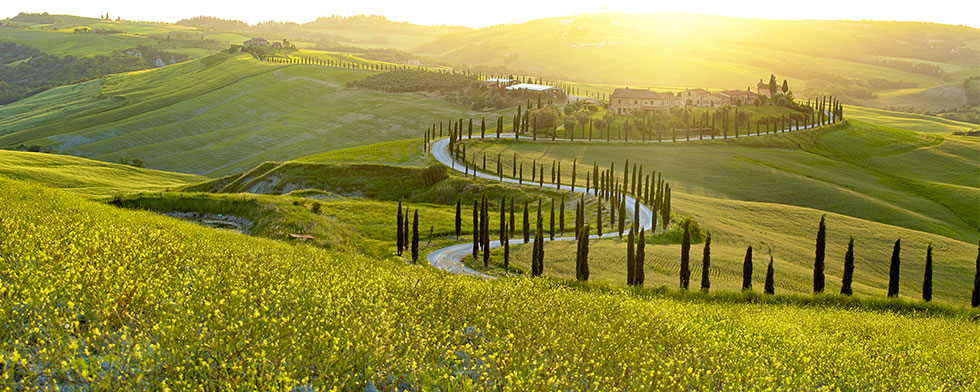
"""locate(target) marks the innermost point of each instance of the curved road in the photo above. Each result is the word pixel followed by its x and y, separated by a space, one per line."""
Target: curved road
pixel 450 258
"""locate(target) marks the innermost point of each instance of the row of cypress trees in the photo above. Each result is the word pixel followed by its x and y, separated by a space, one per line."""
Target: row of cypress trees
pixel 404 242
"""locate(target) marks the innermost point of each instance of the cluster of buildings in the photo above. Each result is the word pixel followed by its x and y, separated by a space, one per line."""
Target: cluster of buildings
pixel 625 101
pixel 261 42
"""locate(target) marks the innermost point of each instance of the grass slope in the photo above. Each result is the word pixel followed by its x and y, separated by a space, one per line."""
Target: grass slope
pixel 88 177
pixel 910 121
pixel 121 299
pixel 219 115
pixel 858 169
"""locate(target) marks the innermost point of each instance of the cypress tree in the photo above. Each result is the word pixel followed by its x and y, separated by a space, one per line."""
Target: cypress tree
pixel 415 237
pixel 598 218
pixel 845 287
pixel 526 224
pixel 399 234
pixel 513 219
pixel 561 215
pixel 893 271
pixel 747 270
pixel 818 262
pixel 476 229
pixel 975 298
pixel 706 265
pixel 630 260
pixel 503 220
pixel 622 217
pixel 459 218
pixel 770 285
pixel 506 245
pixel 641 255
pixel 406 231
pixel 927 278
pixel 636 213
pixel 686 258
pixel 485 231
pixel 551 231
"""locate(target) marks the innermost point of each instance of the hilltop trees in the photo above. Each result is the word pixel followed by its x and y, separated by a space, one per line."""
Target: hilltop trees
pixel 845 287
pixel 893 271
pixel 818 263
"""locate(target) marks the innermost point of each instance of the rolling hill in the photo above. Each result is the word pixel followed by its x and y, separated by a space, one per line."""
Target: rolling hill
pixel 88 177
pixel 218 115
pixel 687 50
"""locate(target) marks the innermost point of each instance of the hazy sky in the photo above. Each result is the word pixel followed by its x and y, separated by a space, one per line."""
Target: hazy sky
pixel 478 14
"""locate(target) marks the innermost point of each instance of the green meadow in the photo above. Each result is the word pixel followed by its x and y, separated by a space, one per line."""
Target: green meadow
pixel 910 121
pixel 203 116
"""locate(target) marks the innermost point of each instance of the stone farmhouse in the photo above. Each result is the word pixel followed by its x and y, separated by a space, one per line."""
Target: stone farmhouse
pixel 256 42
pixel 625 101
pixel 763 89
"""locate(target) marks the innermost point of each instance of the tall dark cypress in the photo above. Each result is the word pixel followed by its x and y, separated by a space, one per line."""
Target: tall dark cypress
pixel 513 219
pixel 893 270
pixel 415 237
pixel 476 229
pixel 641 255
pixel 485 231
pixel 459 218
pixel 561 215
pixel 818 261
pixel 770 284
pixel 399 234
pixel 503 220
pixel 975 298
pixel 598 217
pixel 526 224
pixel 747 270
pixel 845 287
pixel 686 257
pixel 551 231
pixel 622 217
pixel 506 245
pixel 706 265
pixel 630 260
pixel 406 231
pixel 927 277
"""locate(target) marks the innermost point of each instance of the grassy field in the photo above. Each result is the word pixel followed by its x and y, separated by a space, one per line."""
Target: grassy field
pixel 920 181
pixel 154 303
pixel 88 177
pixel 205 117
pixel 910 121
pixel 63 43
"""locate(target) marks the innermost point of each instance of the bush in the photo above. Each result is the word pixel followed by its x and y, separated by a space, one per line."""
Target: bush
pixel 433 174
pixel 675 232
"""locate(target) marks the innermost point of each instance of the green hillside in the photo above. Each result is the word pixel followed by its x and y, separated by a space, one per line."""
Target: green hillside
pixel 910 121
pixel 218 115
pixel 920 181
pixel 717 52
pixel 157 303
pixel 88 177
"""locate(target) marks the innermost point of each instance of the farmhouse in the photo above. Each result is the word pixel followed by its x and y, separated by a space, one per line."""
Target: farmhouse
pixel 692 97
pixel 763 89
pixel 256 42
pixel 626 100
pixel 743 97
